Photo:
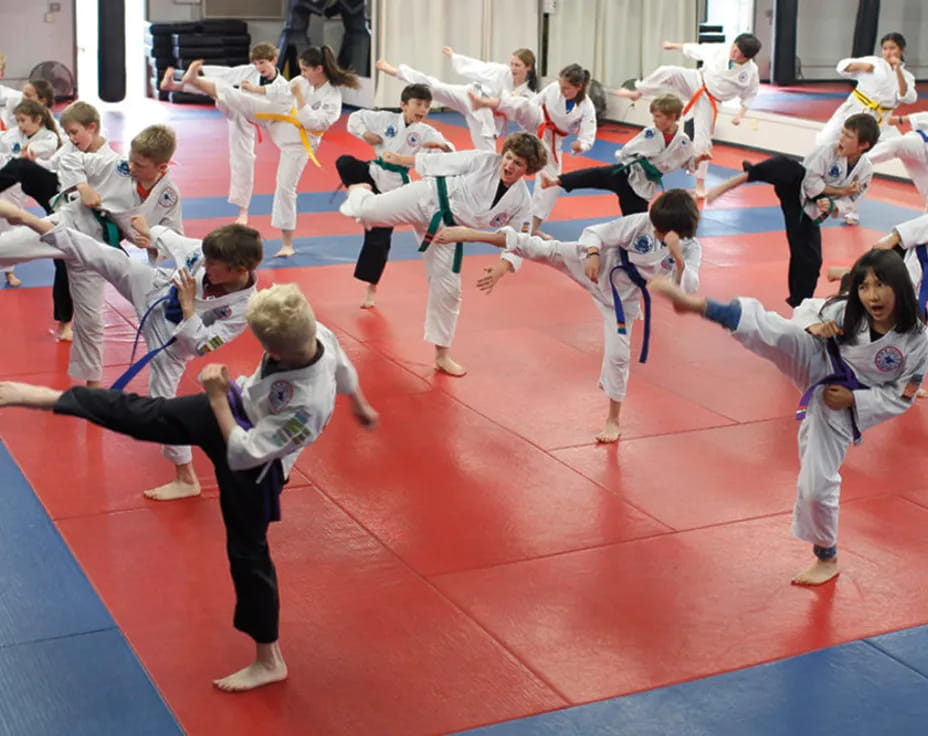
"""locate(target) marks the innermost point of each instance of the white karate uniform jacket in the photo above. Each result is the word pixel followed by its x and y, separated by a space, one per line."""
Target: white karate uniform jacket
pixel 290 409
pixel 825 167
pixel 397 138
pixel 665 157
pixel 42 144
pixel 724 80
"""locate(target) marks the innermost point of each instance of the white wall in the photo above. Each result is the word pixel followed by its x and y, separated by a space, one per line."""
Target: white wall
pixel 29 39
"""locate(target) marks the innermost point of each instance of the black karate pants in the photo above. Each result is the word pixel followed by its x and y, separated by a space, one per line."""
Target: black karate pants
pixel 802 233
pixel 607 177
pixel 189 420
pixel 42 185
pixel 376 247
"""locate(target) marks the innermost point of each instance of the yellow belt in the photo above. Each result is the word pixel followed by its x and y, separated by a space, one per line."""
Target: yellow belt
pixel 871 105
pixel 291 118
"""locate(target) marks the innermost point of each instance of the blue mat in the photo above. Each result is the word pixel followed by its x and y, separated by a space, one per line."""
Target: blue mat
pixel 854 690
pixel 64 667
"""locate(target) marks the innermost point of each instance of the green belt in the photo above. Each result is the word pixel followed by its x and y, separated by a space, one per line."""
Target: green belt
pixel 445 215
pixel 823 215
pixel 395 168
pixel 651 172
pixel 111 234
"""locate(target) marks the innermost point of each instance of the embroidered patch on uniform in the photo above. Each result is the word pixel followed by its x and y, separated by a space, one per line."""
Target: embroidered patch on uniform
pixel 835 172
pixel 911 388
pixel 668 263
pixel 168 198
pixel 649 132
pixel 280 395
pixel 390 131
pixel 743 77
pixel 192 260
pixel 499 220
pixel 222 312
pixel 214 342
pixel 888 359
pixel 643 244
pixel 123 168
pixel 316 105
pixel 295 430
pixel 16 148
pixel 412 139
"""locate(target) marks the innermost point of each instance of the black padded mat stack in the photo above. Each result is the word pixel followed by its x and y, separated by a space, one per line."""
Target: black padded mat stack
pixel 218 41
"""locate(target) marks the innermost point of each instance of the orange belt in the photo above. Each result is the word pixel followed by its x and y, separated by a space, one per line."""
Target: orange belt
pixel 712 101
pixel 555 131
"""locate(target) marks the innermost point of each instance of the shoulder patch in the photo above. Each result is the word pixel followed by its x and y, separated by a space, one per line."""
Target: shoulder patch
pixel 280 395
pixel 649 132
pixel 168 198
pixel 123 168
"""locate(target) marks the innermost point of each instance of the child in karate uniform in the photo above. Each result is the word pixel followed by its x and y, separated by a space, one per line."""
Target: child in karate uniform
pixel 252 430
pixel 857 370
pixel 728 72
pixel 613 261
pixel 473 188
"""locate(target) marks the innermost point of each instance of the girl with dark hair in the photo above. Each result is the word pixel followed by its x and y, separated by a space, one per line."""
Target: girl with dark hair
pixel 858 369
pixel 883 83
pixel 295 115
pixel 561 109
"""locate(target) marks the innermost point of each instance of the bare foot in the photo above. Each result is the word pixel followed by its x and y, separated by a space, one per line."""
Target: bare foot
pixel 253 676
pixel 173 490
pixel 547 183
pixel 682 302
pixel 629 94
pixel 370 297
pixel 192 72
pixel 543 235
pixel 167 81
pixel 11 280
pixel 445 364
pixel 13 393
pixel 285 252
pixel 611 432
pixel 922 393
pixel 701 194
pixel 821 572
pixel 242 218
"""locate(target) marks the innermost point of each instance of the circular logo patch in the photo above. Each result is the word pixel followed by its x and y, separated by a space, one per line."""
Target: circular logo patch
pixel 168 198
pixel 123 168
pixel 499 220
pixel 643 244
pixel 889 359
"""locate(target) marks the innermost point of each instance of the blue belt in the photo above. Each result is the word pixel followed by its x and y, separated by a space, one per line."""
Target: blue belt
pixel 638 280
pixel 173 313
pixel 843 375
pixel 271 479
pixel 923 134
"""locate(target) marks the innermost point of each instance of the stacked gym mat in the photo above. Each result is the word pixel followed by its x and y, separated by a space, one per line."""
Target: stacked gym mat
pixel 220 41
